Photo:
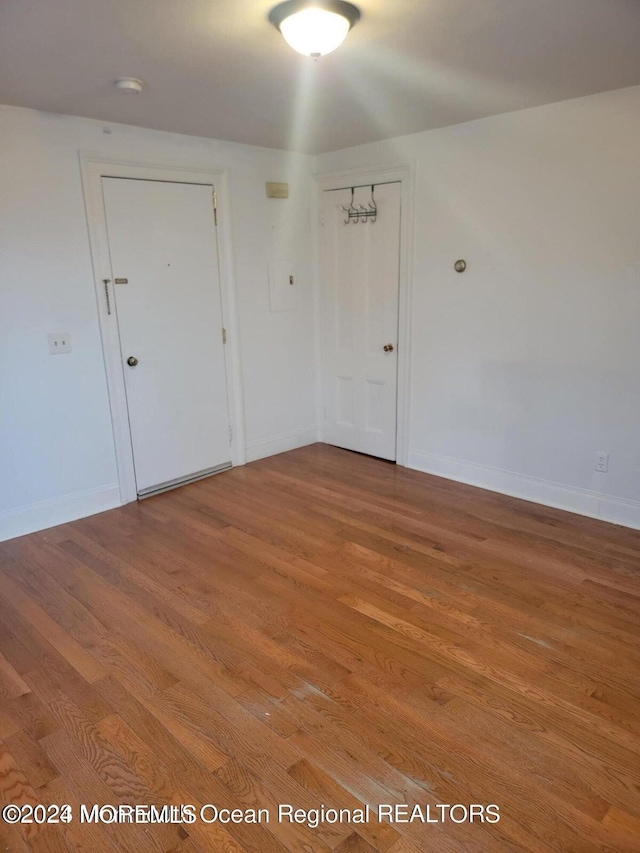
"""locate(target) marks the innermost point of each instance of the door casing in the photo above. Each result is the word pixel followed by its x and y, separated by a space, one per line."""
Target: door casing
pixel 404 174
pixel 93 169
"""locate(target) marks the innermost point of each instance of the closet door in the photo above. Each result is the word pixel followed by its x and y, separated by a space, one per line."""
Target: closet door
pixel 360 285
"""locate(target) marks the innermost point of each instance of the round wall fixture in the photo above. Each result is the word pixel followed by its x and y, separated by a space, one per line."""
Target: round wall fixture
pixel 128 85
pixel 314 27
pixel 460 266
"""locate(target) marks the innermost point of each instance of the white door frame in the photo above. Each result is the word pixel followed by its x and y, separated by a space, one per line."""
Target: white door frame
pixel 93 169
pixel 354 177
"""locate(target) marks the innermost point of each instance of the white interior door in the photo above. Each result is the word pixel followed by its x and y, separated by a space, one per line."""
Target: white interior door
pixel 164 263
pixel 360 281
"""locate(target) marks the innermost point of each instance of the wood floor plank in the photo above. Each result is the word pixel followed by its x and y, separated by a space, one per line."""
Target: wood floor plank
pixel 72 652
pixel 29 756
pixel 321 628
pixel 11 685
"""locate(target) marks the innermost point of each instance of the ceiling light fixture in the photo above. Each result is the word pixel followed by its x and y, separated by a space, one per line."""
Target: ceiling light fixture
pixel 128 85
pixel 314 28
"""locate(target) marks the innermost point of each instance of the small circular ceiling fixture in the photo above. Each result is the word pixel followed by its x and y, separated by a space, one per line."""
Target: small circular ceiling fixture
pixel 128 85
pixel 314 27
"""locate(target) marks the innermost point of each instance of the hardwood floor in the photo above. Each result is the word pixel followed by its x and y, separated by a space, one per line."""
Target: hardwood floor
pixel 325 628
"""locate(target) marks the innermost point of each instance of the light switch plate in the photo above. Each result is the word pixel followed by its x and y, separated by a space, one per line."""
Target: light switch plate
pixel 282 296
pixel 59 343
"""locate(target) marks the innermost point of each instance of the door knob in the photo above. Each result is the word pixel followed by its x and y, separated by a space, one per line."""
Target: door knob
pixel 132 361
pixel 388 347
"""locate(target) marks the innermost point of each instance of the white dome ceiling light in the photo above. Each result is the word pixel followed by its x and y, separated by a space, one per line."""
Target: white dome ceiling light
pixel 314 28
pixel 128 85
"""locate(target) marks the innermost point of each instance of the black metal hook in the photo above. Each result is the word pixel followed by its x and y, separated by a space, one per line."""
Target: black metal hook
pixel 361 213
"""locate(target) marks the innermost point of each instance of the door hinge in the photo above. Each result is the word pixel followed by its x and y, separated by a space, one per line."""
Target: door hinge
pixel 215 207
pixel 230 434
pixel 106 281
pixel 224 336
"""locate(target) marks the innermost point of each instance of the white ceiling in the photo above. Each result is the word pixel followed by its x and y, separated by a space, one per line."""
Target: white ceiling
pixel 217 68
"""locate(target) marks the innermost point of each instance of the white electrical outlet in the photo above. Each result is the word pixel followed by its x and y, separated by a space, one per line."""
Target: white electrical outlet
pixel 602 462
pixel 59 342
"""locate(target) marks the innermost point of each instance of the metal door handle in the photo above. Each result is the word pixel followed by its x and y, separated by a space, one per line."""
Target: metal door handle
pixel 388 347
pixel 132 361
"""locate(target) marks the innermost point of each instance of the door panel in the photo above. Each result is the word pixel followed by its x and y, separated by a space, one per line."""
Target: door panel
pixel 360 279
pixel 163 243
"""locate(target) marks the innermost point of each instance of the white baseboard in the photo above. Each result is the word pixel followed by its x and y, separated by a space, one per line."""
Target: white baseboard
pixel 546 492
pixel 39 516
pixel 280 443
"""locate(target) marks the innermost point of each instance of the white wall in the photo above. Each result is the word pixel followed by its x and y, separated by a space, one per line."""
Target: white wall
pixel 527 364
pixel 56 445
pixel 521 369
